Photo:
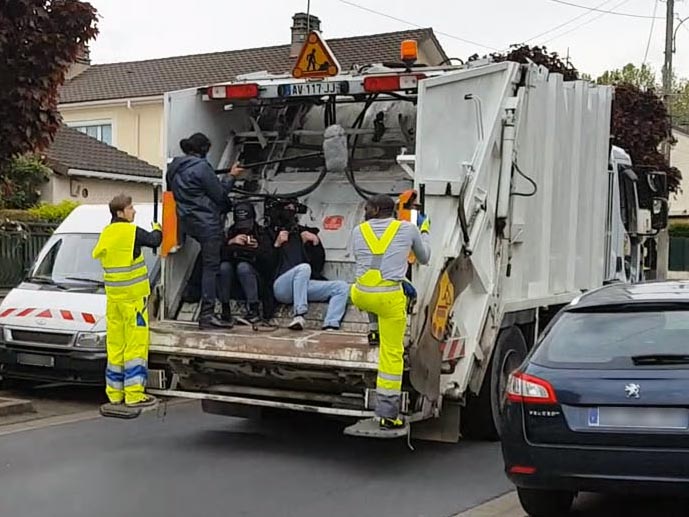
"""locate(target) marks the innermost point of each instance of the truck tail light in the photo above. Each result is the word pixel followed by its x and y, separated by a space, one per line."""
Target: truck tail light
pixel 392 83
pixel 234 92
pixel 523 470
pixel 528 389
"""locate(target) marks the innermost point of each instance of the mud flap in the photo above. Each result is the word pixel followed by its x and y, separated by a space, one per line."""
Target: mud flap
pixel 425 357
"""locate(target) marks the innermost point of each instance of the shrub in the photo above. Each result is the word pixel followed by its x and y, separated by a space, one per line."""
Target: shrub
pixel 20 181
pixel 679 230
pixel 53 213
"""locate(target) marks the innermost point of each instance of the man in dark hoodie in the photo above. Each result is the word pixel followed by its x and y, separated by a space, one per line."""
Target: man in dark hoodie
pixel 202 202
pixel 250 259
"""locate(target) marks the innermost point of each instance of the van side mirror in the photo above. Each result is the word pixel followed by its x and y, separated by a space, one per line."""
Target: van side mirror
pixel 660 213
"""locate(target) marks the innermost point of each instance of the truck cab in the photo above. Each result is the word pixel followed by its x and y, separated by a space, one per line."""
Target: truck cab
pixel 52 325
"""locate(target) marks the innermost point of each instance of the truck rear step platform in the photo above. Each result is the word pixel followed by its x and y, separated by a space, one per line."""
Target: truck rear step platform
pixel 339 349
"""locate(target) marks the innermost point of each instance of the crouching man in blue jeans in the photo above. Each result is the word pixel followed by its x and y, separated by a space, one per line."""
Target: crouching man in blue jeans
pixel 299 280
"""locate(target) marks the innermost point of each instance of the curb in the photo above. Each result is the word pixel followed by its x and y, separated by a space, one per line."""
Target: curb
pixel 15 407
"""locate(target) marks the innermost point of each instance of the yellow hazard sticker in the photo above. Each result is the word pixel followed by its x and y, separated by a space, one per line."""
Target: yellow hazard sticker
pixel 441 311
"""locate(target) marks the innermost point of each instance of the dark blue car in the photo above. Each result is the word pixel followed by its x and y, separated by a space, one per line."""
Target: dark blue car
pixel 602 402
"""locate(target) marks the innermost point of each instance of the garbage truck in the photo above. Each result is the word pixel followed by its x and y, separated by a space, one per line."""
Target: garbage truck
pixel 529 206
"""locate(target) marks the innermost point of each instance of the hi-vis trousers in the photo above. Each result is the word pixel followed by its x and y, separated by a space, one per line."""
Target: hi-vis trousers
pixel 391 308
pixel 127 347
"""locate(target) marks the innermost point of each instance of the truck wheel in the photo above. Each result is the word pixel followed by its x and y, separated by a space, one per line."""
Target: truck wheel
pixel 545 503
pixel 483 414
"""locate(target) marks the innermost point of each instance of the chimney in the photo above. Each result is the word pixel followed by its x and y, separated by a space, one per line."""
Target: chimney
pixel 82 62
pixel 302 24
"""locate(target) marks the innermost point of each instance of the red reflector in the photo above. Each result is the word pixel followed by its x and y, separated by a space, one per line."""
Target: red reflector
pixel 392 83
pixel 67 315
pixel 528 389
pixel 88 318
pixel 521 469
pixel 235 92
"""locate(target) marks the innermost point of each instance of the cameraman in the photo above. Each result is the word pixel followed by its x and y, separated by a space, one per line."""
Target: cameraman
pixel 250 258
pixel 301 258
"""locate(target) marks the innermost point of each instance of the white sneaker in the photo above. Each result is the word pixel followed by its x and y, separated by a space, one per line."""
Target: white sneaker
pixel 297 323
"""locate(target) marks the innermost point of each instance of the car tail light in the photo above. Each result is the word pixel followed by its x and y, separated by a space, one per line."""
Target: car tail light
pixel 522 469
pixel 528 389
pixel 392 83
pixel 236 92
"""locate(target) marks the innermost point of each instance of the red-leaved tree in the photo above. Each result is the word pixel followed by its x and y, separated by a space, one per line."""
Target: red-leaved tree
pixel 39 40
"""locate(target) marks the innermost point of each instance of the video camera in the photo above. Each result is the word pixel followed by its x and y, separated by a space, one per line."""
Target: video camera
pixel 281 213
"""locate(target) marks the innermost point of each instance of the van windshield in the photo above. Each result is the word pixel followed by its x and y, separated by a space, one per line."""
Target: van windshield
pixel 66 259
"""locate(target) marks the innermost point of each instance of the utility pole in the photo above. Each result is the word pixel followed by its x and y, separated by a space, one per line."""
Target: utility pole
pixel 663 247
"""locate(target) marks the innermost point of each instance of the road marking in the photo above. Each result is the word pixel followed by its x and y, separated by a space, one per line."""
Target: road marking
pixel 505 506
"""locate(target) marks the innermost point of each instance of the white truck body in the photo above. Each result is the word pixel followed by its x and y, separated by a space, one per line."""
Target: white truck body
pixel 526 247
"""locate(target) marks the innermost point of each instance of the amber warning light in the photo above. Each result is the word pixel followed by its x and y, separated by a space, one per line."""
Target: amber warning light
pixel 409 51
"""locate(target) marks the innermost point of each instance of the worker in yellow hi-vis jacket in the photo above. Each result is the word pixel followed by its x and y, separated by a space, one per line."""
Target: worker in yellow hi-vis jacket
pixel 127 290
pixel 381 248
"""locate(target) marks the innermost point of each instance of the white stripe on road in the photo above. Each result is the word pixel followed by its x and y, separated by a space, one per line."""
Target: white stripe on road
pixel 505 506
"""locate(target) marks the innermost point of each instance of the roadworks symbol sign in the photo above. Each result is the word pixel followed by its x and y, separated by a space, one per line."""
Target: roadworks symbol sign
pixel 316 60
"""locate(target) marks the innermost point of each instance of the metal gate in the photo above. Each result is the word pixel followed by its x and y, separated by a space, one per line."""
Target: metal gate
pixel 20 244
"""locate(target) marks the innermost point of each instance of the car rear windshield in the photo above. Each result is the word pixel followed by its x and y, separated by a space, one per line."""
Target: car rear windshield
pixel 612 339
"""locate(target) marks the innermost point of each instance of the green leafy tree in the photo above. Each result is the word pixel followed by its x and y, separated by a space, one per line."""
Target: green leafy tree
pixel 39 40
pixel 644 78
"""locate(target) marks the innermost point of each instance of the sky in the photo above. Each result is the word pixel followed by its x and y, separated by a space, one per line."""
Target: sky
pixel 132 30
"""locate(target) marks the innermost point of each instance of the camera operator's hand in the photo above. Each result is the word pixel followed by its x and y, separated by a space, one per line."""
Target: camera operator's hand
pixel 236 171
pixel 310 238
pixel 282 238
pixel 240 240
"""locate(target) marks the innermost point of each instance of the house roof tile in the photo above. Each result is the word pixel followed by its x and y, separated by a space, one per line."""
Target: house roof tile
pixel 157 76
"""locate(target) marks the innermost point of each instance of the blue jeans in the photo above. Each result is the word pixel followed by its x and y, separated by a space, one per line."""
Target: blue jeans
pixel 295 286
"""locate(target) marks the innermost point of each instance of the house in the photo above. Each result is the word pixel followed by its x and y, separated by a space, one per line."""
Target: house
pixel 121 104
pixel 89 171
pixel 679 202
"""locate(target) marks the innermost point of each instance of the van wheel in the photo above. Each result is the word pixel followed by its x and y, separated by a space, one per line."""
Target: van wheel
pixel 545 503
pixel 484 413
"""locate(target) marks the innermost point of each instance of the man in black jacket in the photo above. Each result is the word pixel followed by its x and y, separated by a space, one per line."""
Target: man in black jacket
pixel 202 202
pixel 250 258
pixel 299 278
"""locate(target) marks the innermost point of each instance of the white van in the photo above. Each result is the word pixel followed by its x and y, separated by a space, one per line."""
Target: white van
pixel 52 326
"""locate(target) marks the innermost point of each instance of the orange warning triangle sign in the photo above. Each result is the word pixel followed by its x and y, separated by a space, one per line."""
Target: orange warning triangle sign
pixel 316 60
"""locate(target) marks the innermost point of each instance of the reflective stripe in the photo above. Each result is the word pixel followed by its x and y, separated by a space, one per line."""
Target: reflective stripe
pixel 135 371
pixel 116 385
pixel 378 289
pixel 139 380
pixel 389 393
pixel 126 269
pixel 135 362
pixel 115 368
pixel 127 283
pixel 376 245
pixel 389 377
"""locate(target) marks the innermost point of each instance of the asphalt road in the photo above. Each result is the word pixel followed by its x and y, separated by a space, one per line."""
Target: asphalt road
pixel 196 464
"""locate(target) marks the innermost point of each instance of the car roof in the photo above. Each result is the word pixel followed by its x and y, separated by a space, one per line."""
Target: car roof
pixel 670 292
pixel 93 218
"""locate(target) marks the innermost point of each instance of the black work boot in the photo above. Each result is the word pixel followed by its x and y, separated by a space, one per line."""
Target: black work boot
pixel 208 319
pixel 226 314
pixel 253 315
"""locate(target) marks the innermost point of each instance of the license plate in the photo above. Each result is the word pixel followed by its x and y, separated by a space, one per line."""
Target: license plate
pixel 46 361
pixel 638 418
pixel 310 89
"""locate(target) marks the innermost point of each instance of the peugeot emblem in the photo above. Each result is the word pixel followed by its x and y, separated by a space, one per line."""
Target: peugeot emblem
pixel 633 391
pixel 42 323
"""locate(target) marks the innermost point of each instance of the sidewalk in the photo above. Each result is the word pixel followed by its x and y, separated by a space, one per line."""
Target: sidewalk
pixel 505 506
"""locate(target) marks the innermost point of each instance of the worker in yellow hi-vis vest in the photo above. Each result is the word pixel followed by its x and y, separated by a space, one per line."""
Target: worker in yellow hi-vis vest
pixel 127 289
pixel 381 248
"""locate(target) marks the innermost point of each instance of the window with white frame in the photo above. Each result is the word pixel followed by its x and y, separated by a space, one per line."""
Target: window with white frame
pixel 101 131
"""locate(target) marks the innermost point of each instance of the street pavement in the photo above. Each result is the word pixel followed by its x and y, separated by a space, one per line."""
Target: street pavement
pixel 190 463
